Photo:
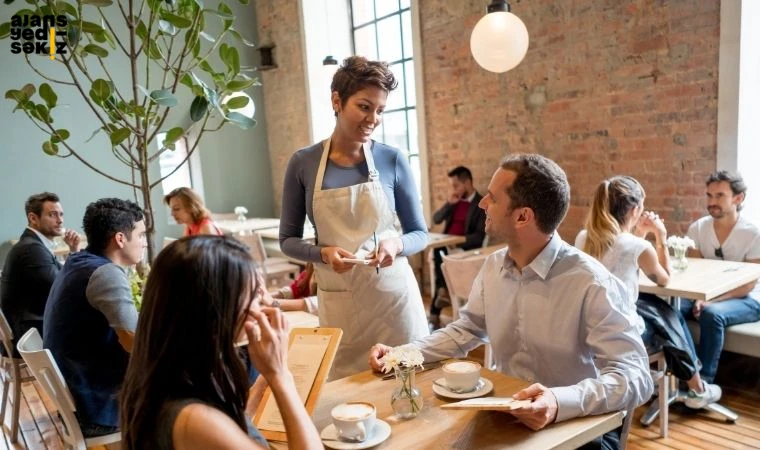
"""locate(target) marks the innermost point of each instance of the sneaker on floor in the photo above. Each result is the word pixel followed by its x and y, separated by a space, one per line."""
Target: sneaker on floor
pixel 698 400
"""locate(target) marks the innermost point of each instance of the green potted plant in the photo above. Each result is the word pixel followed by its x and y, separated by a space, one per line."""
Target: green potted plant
pixel 184 78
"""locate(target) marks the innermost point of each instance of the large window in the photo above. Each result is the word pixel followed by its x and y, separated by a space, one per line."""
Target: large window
pixel 188 175
pixel 382 30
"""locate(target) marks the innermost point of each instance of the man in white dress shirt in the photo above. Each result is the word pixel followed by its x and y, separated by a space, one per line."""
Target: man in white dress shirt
pixel 552 314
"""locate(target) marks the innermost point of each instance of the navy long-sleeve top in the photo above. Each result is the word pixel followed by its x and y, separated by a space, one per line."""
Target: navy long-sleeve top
pixel 298 191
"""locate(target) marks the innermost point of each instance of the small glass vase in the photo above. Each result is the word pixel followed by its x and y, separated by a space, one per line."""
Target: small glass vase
pixel 241 217
pixel 680 263
pixel 406 399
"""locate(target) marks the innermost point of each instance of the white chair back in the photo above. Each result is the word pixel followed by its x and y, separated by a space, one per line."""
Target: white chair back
pixel 41 363
pixel 459 274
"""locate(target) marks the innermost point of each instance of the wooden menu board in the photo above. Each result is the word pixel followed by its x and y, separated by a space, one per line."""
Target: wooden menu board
pixel 311 352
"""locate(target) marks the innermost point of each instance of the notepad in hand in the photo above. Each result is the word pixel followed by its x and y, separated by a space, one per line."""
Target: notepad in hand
pixel 488 404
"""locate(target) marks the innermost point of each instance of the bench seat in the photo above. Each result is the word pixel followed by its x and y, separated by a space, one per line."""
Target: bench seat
pixel 743 338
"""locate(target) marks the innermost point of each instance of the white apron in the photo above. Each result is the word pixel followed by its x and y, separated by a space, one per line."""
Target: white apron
pixel 369 307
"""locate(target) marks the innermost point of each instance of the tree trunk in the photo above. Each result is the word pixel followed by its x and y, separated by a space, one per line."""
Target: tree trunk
pixel 150 225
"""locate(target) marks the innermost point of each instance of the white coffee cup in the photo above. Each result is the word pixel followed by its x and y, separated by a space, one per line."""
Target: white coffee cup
pixel 354 421
pixel 461 375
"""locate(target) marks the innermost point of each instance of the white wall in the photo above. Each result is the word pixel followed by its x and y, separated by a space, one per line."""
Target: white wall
pixel 739 97
pixel 748 136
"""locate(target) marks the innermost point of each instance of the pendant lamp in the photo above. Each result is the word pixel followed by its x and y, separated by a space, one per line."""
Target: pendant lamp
pixel 499 40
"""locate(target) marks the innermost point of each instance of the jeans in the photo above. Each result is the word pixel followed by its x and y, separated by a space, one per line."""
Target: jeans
pixel 713 321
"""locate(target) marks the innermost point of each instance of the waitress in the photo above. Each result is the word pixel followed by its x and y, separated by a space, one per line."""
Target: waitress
pixel 352 188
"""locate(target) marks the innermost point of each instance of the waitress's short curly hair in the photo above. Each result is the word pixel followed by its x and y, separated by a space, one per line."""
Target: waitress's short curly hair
pixel 357 73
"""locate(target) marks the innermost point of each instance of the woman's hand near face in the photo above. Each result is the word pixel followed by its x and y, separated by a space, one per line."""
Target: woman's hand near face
pixel 386 252
pixel 334 257
pixel 268 334
pixel 651 222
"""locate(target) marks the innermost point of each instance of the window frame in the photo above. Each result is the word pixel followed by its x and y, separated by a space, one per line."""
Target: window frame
pixel 418 108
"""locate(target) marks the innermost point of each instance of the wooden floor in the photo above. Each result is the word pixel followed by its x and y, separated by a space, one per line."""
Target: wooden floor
pixel 40 426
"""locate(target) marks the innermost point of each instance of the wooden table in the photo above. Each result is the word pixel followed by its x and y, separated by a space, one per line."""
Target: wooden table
pixel 274 233
pixel 703 279
pixel 253 224
pixel 436 428
pixel 301 319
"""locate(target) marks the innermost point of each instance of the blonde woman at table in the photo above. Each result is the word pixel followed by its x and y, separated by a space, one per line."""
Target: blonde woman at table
pixel 186 387
pixel 187 209
pixel 614 234
pixel 350 186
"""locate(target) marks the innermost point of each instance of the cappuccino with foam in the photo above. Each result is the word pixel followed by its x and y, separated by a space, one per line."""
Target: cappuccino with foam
pixel 462 367
pixel 354 421
pixel 461 375
pixel 353 411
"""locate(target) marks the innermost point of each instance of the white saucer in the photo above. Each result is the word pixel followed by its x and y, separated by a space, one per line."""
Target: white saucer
pixel 380 433
pixel 443 392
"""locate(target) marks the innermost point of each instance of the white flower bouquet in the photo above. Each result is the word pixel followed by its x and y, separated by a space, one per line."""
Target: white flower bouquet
pixel 680 243
pixel 405 356
pixel 406 400
pixel 679 246
pixel 241 211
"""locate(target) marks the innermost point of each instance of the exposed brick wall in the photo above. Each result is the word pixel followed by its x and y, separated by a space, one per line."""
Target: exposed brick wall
pixel 607 87
pixel 284 87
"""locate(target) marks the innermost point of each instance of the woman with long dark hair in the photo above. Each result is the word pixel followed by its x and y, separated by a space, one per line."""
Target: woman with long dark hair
pixel 614 234
pixel 186 386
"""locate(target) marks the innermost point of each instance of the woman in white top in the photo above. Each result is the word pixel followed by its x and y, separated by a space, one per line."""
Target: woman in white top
pixel 614 234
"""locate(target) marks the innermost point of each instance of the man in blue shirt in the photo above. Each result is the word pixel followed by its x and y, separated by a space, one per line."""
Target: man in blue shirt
pixel 90 317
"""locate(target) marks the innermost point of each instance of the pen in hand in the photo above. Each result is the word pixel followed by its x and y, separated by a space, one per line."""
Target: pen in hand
pixel 374 236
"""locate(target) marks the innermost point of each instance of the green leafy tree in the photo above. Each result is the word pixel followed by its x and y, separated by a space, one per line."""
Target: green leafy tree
pixel 169 46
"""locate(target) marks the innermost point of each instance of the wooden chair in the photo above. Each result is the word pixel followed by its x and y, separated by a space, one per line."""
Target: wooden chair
pixel 276 270
pixel 459 274
pixel 47 374
pixel 10 372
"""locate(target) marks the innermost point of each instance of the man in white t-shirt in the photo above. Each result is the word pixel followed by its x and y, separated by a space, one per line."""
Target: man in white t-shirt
pixel 724 234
